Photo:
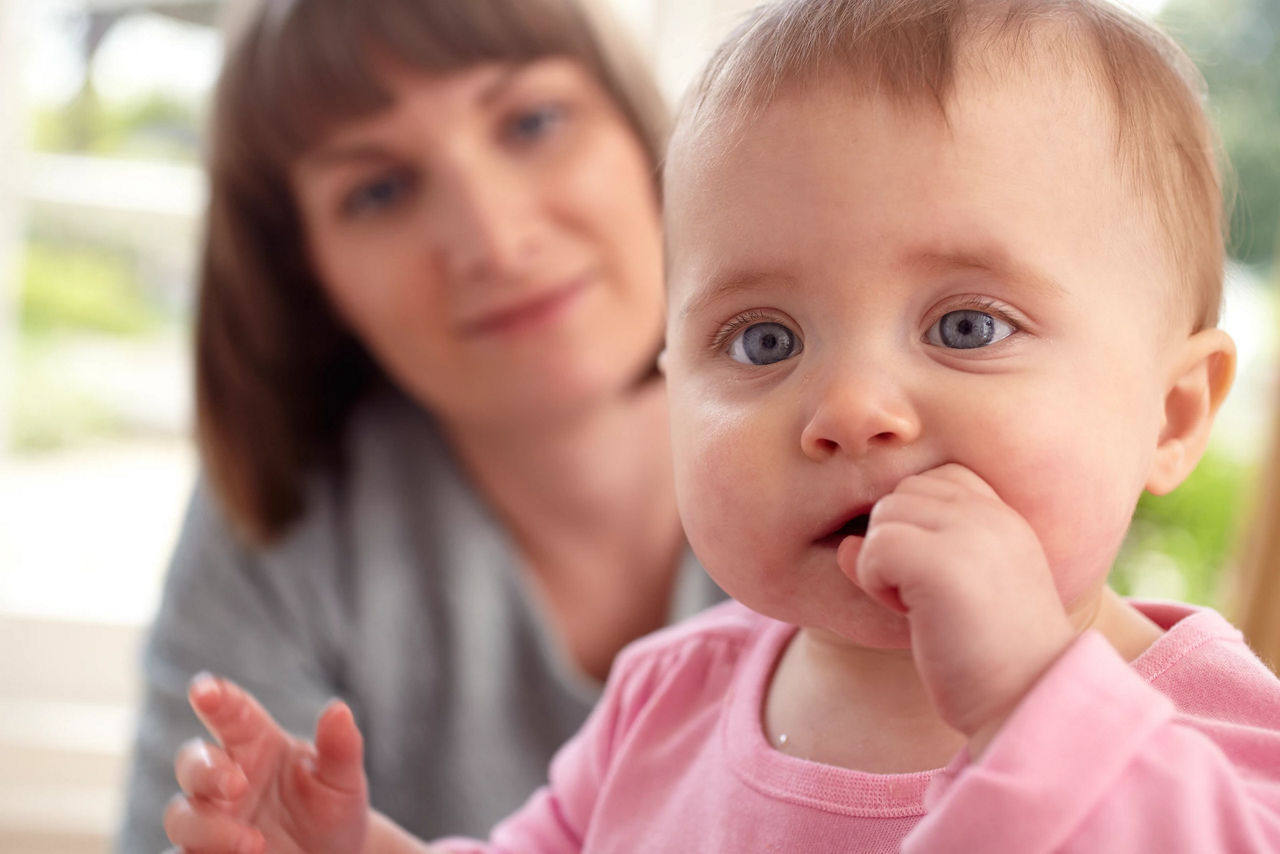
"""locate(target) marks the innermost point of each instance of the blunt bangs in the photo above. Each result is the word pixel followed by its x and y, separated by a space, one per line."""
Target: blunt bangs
pixel 314 67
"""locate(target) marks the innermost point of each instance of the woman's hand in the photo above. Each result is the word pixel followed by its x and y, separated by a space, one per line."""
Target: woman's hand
pixel 971 578
pixel 260 789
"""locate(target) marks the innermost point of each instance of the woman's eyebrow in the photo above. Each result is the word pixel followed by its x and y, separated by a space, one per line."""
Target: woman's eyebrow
pixel 502 81
pixel 343 155
pixel 356 152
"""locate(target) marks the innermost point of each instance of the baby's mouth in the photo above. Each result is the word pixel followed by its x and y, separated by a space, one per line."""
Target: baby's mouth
pixel 854 527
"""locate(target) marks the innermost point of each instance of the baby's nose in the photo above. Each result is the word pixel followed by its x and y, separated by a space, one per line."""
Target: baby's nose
pixel 856 411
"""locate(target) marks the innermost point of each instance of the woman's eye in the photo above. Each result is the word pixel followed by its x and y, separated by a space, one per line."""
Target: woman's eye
pixel 377 195
pixel 764 344
pixel 532 125
pixel 968 329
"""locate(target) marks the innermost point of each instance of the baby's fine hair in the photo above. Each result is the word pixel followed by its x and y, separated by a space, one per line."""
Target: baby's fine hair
pixel 912 51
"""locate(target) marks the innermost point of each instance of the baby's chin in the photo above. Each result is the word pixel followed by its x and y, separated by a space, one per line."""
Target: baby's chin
pixel 853 617
pixel 872 626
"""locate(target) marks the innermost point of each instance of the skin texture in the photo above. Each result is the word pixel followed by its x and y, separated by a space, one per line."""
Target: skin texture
pixel 825 265
pixel 466 236
pixel 494 238
pixel 323 782
pixel 1002 476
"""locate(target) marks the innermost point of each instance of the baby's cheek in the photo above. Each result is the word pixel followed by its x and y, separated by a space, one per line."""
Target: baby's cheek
pixel 724 494
pixel 1079 517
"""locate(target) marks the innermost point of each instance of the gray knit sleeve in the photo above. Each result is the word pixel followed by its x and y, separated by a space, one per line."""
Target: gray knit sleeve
pixel 226 610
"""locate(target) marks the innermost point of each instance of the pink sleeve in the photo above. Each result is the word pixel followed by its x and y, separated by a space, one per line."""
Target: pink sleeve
pixel 1097 760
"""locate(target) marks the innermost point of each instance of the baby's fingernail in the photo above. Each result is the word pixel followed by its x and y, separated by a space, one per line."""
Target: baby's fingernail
pixel 205 686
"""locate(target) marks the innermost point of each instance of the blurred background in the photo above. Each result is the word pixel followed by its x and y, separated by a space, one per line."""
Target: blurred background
pixel 101 193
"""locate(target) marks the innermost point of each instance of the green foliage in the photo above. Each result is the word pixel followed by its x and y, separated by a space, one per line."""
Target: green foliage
pixel 156 128
pixel 80 288
pixel 1178 543
pixel 1236 44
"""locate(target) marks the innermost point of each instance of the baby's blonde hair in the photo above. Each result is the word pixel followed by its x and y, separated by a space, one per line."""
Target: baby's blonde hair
pixel 910 51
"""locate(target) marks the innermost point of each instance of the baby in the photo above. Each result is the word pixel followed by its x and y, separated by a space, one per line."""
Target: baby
pixel 943 288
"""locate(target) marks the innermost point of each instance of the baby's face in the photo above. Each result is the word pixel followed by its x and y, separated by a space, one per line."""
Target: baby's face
pixel 859 293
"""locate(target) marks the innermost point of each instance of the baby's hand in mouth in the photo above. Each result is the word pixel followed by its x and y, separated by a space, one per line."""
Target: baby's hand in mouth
pixel 972 579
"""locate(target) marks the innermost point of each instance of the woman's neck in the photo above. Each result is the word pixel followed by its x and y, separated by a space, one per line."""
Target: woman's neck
pixel 590 502
pixel 596 474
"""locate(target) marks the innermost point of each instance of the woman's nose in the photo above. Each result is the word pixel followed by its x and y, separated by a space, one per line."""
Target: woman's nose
pixel 856 412
pixel 489 223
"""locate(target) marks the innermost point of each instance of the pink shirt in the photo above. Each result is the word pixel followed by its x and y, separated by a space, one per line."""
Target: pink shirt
pixel 1177 752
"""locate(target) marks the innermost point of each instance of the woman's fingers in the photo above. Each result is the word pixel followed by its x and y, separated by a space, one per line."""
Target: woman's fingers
pixel 234 717
pixel 205 771
pixel 339 749
pixel 193 825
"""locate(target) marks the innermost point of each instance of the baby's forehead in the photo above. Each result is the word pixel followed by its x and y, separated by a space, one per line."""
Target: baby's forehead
pixel 1053 107
pixel 983 69
pixel 824 179
pixel 1085 55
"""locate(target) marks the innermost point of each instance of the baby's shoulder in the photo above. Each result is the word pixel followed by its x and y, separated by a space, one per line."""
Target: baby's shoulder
pixel 1204 665
pixel 726 624
pixel 712 641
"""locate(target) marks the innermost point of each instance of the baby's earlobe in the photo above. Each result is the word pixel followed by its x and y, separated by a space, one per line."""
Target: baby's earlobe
pixel 1198 387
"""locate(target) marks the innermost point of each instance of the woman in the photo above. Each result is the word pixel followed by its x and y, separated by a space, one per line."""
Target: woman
pixel 434 443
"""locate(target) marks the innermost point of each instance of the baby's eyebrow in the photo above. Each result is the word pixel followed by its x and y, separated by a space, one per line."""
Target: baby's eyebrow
pixel 991 259
pixel 722 285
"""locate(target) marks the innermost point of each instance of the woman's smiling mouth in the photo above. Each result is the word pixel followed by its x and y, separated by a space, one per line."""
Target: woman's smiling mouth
pixel 528 314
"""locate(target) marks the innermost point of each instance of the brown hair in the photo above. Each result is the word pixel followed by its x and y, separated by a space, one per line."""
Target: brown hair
pixel 276 371
pixel 910 50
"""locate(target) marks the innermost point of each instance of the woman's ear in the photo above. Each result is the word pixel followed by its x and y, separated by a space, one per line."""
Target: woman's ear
pixel 1199 383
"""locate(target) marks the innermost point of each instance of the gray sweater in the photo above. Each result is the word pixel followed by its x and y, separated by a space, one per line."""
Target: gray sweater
pixel 399 592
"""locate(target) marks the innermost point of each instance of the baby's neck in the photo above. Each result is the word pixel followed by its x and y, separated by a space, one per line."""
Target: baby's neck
pixel 856 708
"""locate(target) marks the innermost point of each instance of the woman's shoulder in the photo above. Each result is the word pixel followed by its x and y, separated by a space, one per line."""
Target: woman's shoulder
pixel 391 466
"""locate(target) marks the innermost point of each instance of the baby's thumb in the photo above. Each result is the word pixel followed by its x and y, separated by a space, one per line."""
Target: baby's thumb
pixel 339 749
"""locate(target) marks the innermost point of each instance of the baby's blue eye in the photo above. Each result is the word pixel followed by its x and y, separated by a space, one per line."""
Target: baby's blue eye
pixel 968 329
pixel 376 195
pixel 764 344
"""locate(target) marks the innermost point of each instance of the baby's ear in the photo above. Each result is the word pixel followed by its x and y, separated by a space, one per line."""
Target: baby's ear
pixel 1198 385
pixel 662 361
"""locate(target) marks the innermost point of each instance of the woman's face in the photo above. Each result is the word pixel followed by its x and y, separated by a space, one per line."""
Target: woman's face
pixel 493 237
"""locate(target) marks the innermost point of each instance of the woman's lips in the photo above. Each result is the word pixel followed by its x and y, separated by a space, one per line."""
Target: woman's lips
pixel 527 314
pixel 855 526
